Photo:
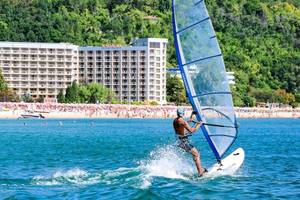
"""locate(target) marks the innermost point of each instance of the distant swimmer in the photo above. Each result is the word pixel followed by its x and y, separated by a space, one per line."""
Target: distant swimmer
pixel 181 127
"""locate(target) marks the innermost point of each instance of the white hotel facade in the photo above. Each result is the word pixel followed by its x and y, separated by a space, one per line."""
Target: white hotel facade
pixel 134 73
pixel 38 69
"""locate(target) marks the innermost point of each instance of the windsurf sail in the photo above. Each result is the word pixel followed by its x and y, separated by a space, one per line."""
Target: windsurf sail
pixel 203 72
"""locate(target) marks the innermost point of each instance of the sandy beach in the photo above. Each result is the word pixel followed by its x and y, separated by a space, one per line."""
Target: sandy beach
pixel 15 110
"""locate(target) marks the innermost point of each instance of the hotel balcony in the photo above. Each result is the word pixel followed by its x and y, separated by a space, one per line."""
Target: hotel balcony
pixel 42 51
pixel 15 71
pixel 42 92
pixel 68 52
pixel 116 53
pixel 52 85
pixel 16 51
pixel 6 58
pixel 60 85
pixel 5 72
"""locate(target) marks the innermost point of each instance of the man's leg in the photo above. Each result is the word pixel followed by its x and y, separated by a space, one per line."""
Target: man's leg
pixel 197 160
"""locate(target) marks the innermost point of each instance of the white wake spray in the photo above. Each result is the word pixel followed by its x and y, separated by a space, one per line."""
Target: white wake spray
pixel 167 161
pixel 73 176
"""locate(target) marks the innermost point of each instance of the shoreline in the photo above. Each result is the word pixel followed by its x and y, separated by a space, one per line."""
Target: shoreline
pixel 99 111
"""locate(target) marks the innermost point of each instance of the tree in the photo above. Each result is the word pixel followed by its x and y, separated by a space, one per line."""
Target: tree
pixel 90 93
pixel 285 97
pixel 297 97
pixel 8 95
pixel 98 93
pixel 175 90
pixel 3 85
pixel 27 98
pixel 40 99
pixel 72 93
pixel 84 94
pixel 61 97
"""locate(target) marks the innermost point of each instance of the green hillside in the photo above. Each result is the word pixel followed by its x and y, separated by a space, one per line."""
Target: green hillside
pixel 260 40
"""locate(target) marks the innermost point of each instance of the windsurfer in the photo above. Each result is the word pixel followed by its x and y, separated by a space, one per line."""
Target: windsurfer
pixel 180 127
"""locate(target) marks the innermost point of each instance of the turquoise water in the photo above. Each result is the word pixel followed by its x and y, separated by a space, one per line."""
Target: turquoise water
pixel 135 159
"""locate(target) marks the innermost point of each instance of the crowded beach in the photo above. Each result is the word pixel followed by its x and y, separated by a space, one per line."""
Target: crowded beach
pixel 55 110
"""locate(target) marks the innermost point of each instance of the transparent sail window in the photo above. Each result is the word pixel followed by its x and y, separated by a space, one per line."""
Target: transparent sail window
pixel 189 12
pixel 208 76
pixel 217 109
pixel 198 42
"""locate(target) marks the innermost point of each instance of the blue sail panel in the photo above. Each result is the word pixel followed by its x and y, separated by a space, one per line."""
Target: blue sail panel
pixel 203 70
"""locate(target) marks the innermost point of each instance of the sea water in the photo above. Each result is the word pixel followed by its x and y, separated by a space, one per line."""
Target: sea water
pixel 137 159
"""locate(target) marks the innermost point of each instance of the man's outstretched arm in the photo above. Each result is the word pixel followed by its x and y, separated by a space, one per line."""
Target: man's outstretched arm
pixel 192 129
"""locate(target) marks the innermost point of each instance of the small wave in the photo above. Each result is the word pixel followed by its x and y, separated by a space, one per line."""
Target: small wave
pixel 72 176
pixel 78 176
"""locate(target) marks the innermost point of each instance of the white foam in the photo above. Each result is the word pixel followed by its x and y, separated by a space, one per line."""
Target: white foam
pixel 74 176
pixel 167 162
pixel 117 172
pixel 70 174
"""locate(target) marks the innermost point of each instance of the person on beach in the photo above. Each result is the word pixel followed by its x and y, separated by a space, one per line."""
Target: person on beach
pixel 181 127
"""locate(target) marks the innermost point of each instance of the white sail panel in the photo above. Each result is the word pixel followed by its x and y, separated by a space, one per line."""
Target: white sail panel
pixel 201 62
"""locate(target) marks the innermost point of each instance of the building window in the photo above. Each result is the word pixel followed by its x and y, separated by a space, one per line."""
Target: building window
pixel 154 45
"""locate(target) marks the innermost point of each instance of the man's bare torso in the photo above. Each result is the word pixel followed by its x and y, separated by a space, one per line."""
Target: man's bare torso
pixel 178 125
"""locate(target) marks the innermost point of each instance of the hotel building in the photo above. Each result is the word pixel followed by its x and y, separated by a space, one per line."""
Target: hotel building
pixel 134 73
pixel 38 69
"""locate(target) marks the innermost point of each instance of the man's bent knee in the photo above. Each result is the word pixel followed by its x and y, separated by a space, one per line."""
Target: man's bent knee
pixel 194 152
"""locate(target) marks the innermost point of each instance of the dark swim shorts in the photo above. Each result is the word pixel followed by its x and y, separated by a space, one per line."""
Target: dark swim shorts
pixel 184 143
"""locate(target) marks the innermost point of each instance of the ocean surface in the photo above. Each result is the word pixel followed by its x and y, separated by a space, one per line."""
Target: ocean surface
pixel 137 159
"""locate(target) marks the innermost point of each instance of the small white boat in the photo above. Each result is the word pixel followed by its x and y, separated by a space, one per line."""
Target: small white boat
pixel 31 114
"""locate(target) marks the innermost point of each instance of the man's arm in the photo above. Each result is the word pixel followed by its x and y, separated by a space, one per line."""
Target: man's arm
pixel 191 129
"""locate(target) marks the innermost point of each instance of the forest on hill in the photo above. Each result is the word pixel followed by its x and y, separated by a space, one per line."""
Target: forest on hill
pixel 260 39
